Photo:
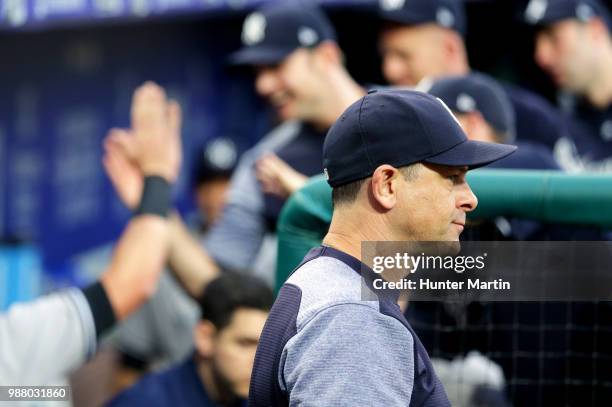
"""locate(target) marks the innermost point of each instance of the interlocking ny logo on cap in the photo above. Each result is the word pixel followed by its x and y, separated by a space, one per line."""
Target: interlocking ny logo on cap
pixel 465 103
pixel 307 36
pixel 221 153
pixel 389 5
pixel 254 29
pixel 445 17
pixel 584 12
pixel 606 130
pixel 536 10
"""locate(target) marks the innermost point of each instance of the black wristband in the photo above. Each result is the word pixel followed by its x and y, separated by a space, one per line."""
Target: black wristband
pixel 156 197
pixel 101 308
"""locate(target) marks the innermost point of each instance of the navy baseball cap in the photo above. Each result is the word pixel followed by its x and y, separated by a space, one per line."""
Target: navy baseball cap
pixel 399 128
pixel 478 93
pixel 217 159
pixel 271 33
pixel 546 12
pixel 447 13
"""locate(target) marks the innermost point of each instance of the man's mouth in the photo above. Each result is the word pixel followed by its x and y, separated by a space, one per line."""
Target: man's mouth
pixel 279 100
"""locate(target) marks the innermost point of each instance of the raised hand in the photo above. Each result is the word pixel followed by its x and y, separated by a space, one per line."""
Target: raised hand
pixel 151 147
pixel 156 123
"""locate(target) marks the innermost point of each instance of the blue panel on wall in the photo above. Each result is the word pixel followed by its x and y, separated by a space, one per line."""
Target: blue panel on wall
pixel 20 275
pixel 61 93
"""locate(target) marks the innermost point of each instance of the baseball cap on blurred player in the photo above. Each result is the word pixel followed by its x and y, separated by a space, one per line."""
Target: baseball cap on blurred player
pixel 478 93
pixel 273 32
pixel 399 128
pixel 215 160
pixel 546 12
pixel 447 13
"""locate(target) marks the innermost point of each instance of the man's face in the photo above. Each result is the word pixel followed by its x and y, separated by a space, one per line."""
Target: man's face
pixel 565 52
pixel 411 53
pixel 293 87
pixel 433 205
pixel 475 127
pixel 235 346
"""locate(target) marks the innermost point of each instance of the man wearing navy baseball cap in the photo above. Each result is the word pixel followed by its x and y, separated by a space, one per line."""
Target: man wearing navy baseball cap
pixel 574 46
pixel 271 34
pixel 480 104
pixel 414 35
pixel 396 161
pixel 425 39
pixel 299 66
pixel 299 71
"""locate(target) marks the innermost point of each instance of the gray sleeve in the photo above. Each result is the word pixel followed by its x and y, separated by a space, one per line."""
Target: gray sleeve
pixel 161 330
pixel 234 241
pixel 46 339
pixel 235 238
pixel 349 355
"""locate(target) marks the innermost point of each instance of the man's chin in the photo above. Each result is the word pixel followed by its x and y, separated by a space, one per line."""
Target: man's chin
pixel 453 237
pixel 242 392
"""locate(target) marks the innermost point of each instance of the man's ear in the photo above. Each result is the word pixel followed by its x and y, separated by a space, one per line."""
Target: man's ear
pixel 598 29
pixel 385 186
pixel 329 52
pixel 204 338
pixel 452 45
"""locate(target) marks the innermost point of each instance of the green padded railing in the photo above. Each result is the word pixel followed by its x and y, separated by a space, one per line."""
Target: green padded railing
pixel 547 196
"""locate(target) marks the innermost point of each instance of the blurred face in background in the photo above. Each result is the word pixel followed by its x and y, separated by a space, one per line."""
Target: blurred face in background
pixel 411 53
pixel 567 52
pixel 476 127
pixel 235 347
pixel 210 198
pixel 230 351
pixel 296 86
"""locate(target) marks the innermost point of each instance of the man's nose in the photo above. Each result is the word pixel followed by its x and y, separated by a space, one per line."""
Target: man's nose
pixel 466 200
pixel 266 81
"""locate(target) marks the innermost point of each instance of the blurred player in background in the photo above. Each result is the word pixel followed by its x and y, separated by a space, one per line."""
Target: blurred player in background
pixel 299 70
pixel 233 310
pixel 213 169
pixel 574 46
pixel 160 333
pixel 485 112
pixel 423 39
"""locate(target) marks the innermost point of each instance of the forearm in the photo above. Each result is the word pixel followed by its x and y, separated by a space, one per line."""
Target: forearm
pixel 136 265
pixel 188 259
